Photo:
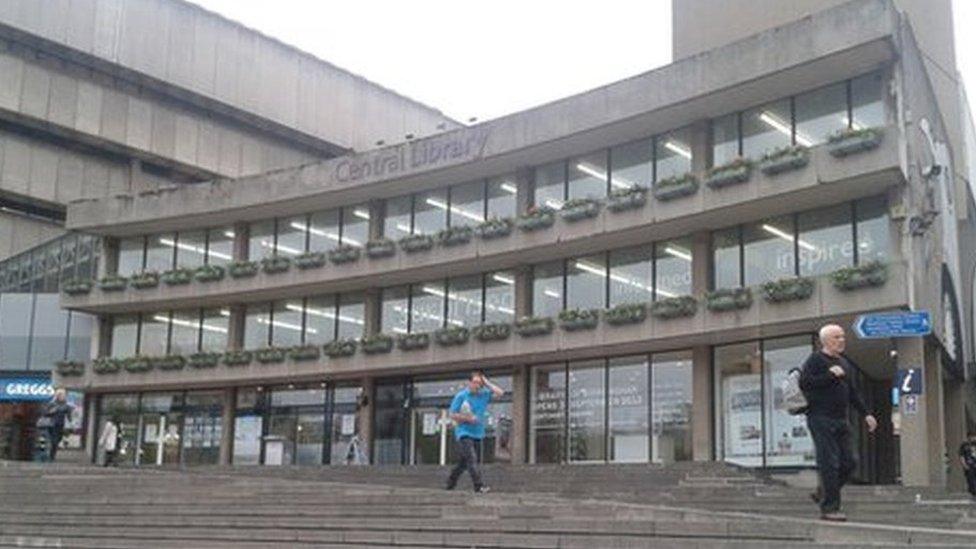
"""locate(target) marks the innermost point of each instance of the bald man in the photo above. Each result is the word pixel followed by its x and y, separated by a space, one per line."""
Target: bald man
pixel 826 382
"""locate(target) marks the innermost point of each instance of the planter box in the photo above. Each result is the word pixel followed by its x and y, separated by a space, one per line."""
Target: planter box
pixel 675 187
pixel 492 332
pixel 455 236
pixel 275 264
pixel 495 228
pixel 674 307
pixel 579 209
pixel 454 335
pixel 788 289
pixel 310 260
pixel 536 219
pixel 270 355
pixel 728 299
pixel 573 320
pixel 238 358
pixel 412 342
pixel 76 286
pixel 300 353
pixel 112 284
pixel 209 273
pixel 628 313
pixel 177 277
pixel 203 360
pixel 863 276
pixel 735 172
pixel 784 160
pixel 242 269
pixel 340 348
pixel 416 243
pixel 137 364
pixel 344 254
pixel 627 199
pixel 848 142
pixel 169 362
pixel 106 365
pixel 147 279
pixel 69 368
pixel 380 248
pixel 376 344
pixel 534 326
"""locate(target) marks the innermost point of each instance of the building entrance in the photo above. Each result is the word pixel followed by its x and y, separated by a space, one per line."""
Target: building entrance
pixel 431 439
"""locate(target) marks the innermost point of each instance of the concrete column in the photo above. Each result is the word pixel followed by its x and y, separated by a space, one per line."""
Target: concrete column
pixel 227 426
pixel 701 254
pixel 954 395
pixel 241 241
pixel 235 328
pixel 376 214
pixel 365 418
pixel 520 415
pixel 523 182
pixel 701 146
pixel 702 437
pixel 922 431
pixel 523 291
pixel 91 426
pixel 108 257
pixel 372 308
pixel 101 340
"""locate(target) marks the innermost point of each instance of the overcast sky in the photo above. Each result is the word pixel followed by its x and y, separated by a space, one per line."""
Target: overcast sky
pixel 488 59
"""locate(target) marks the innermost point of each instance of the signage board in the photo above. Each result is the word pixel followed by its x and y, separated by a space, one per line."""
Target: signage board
pixel 897 324
pixel 22 389
pixel 909 382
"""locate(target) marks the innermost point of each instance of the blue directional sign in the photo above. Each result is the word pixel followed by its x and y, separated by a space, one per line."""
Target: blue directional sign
pixel 909 382
pixel 898 324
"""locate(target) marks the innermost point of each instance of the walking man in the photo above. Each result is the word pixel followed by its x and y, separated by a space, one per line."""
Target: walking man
pixel 56 413
pixel 967 456
pixel 468 410
pixel 826 382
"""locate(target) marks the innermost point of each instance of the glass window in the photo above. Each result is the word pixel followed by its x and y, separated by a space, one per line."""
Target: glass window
pixel 355 225
pixel 186 332
pixel 286 323
pixel 547 437
pixel 500 297
pixel 788 441
pixel 154 334
pixel 125 330
pixel 547 289
pixel 216 325
pixel 502 192
pixel 130 255
pixel 220 246
pixel 586 282
pixel 673 268
pixel 292 234
pixel 873 230
pixel 671 397
pixel 323 231
pixel 191 249
pixel 725 139
pixel 588 176
pixel 631 165
pixel 320 319
pixel 309 438
pixel 866 101
pixel 352 315
pixel 257 326
pixel 550 185
pixel 430 212
pixel 766 128
pixel 820 113
pixel 826 240
pixel 628 409
pixel 396 222
pixel 672 154
pixel 426 307
pixel 587 408
pixel 261 240
pixel 769 253
pixel 160 250
pixel 738 395
pixel 50 331
pixel 467 204
pixel 388 440
pixel 396 309
pixel 726 261
pixel 631 275
pixel 80 336
pixel 297 397
pixel 464 304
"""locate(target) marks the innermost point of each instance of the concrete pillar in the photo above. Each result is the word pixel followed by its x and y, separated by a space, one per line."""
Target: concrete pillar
pixel 365 418
pixel 520 414
pixel 523 291
pixel 702 437
pixel 241 241
pixel 922 439
pixel 101 339
pixel 701 146
pixel 235 328
pixel 523 184
pixel 954 395
pixel 372 310
pixel 227 425
pixel 108 257
pixel 376 214
pixel 701 255
pixel 91 426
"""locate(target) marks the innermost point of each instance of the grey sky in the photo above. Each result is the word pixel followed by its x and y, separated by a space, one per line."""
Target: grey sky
pixel 488 59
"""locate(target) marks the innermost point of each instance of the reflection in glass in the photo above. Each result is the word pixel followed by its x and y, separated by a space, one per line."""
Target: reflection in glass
pixel 430 212
pixel 393 318
pixel 257 326
pixel 671 397
pixel 501 197
pixel 672 154
pixel 738 394
pixel 769 250
pixel 500 297
pixel 588 176
pixel 186 332
pixel 320 319
pixel 130 255
pixel 587 399
pixel 631 275
pixel 160 252
pixel 352 316
pixel 547 289
pixel 260 240
pixel 355 225
pixel 464 304
pixel 628 409
pixel 396 221
pixel 323 231
pixel 586 282
pixel 292 234
pixel 154 334
pixel 550 185
pixel 547 436
pixel 725 139
pixel 820 113
pixel 426 307
pixel 191 249
pixel 80 336
pixel 726 261
pixel 125 330
pixel 767 128
pixel 873 230
pixel 467 204
pixel 673 268
pixel 286 323
pixel 631 165
pixel 826 240
pixel 49 334
pixel 788 442
pixel 309 438
pixel 866 99
pixel 216 323
pixel 220 246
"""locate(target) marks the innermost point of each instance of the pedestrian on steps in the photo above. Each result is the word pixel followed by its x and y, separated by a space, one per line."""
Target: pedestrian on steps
pixel 109 441
pixel 967 456
pixel 826 382
pixel 55 414
pixel 469 411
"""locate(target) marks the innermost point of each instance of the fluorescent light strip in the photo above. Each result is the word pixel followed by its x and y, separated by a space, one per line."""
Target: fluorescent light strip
pixel 361 214
pixel 680 253
pixel 554 203
pixel 320 232
pixel 502 279
pixel 287 325
pixel 188 324
pixel 552 293
pixel 440 293
pixel 678 149
pixel 454 209
pixel 229 234
pixel 619 278
pixel 787 236
pixel 508 187
pixel 190 248
pixel 326 314
pixel 784 128
pixel 591 171
pixel 281 248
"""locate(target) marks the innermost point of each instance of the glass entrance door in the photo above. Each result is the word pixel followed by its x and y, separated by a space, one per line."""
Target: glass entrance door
pixel 159 439
pixel 430 438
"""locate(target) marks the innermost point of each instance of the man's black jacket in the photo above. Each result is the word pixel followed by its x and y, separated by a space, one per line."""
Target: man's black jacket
pixel 828 395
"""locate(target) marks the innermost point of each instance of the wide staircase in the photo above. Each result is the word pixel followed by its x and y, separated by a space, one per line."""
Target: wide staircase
pixel 683 505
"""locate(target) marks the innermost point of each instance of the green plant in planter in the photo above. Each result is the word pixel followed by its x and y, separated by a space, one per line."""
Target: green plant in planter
pixel 853 141
pixel 345 253
pixel 113 283
pixel 377 343
pixel 416 243
pixel 177 277
pixel 580 208
pixel 787 289
pixel 271 355
pixel 676 187
pixel 496 227
pixel 630 198
pixel 168 362
pixel 455 236
pixel 452 335
pixel 145 279
pixel 69 368
pixel 137 364
pixel 304 352
pixel 536 218
pixel 868 275
pixel 674 307
pixel 243 269
pixel 531 326
pixel 340 348
pixel 275 264
pixel 728 299
pixel 737 171
pixel 784 159
pixel 310 260
pixel 412 342
pixel 238 358
pixel 572 320
pixel 203 360
pixel 627 313
pixel 381 247
pixel 106 365
pixel 76 286
pixel 209 273
pixel 493 331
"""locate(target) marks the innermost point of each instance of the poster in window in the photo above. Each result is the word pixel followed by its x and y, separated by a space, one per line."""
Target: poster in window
pixel 430 424
pixel 743 416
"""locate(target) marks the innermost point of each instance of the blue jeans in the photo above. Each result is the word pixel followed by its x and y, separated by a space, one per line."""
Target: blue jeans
pixel 467 460
pixel 835 458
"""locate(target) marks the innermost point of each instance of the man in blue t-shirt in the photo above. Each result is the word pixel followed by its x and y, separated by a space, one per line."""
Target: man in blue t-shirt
pixel 468 410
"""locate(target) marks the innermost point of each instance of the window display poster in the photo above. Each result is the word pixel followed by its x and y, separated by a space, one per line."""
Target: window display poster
pixel 788 439
pixel 430 424
pixel 348 426
pixel 742 408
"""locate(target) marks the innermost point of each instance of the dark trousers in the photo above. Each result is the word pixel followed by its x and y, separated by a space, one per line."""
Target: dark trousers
pixel 54 439
pixel 467 452
pixel 971 479
pixel 835 458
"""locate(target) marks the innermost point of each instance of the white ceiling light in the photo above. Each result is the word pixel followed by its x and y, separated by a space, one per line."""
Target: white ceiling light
pixel 503 279
pixel 678 149
pixel 508 187
pixel 281 248
pixel 593 172
pixel 787 236
pixel 362 214
pixel 680 253
pixel 455 209
pixel 784 128
pixel 191 248
pixel 189 324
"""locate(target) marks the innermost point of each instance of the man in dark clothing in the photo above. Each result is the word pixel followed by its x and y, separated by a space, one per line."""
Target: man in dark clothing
pixel 56 413
pixel 967 456
pixel 826 382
